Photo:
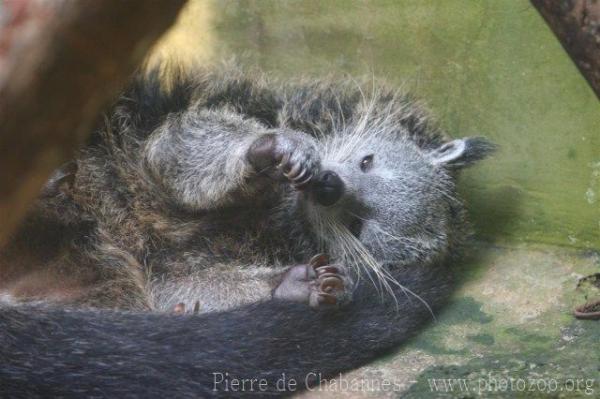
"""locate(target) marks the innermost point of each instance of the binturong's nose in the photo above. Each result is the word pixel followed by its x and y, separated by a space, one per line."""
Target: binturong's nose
pixel 327 188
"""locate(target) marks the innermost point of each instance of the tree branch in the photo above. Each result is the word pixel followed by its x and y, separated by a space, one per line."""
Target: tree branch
pixel 576 23
pixel 61 62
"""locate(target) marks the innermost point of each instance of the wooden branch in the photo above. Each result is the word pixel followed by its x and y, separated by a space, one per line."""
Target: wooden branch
pixel 576 23
pixel 61 62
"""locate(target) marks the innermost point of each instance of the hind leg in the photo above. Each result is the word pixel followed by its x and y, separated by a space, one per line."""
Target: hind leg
pixel 225 286
pixel 318 284
pixel 101 277
pixel 80 288
pixel 117 294
pixel 111 278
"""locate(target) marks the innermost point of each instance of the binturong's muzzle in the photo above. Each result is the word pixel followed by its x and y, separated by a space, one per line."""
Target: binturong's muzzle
pixel 327 188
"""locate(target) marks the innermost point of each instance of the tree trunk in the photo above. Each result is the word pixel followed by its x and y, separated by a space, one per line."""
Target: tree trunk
pixel 61 62
pixel 576 23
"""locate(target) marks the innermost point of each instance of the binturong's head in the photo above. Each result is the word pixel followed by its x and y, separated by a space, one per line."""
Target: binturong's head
pixel 386 194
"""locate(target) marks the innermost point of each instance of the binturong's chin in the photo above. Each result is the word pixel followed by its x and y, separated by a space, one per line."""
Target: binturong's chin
pixel 355 226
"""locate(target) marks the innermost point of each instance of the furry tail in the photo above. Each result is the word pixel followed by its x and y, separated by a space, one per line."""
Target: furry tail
pixel 48 351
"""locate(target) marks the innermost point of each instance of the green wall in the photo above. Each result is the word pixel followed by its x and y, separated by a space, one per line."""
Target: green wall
pixel 488 68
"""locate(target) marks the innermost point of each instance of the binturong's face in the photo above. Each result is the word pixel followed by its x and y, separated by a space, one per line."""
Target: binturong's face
pixel 381 199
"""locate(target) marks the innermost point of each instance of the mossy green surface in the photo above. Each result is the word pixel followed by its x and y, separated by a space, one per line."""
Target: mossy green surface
pixel 522 331
pixel 511 321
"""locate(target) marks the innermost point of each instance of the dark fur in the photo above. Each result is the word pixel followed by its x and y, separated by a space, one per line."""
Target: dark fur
pixel 121 231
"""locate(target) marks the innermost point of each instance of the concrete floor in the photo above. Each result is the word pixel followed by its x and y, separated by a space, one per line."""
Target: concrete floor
pixel 510 321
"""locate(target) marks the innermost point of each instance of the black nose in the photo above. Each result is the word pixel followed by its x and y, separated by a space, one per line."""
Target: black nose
pixel 327 188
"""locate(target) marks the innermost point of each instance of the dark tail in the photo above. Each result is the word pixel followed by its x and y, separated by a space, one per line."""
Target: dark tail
pixel 47 351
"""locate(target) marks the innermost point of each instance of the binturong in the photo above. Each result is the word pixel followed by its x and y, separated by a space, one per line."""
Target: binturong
pixel 311 225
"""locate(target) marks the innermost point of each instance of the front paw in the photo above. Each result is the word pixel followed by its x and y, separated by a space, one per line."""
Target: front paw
pixel 289 155
pixel 318 284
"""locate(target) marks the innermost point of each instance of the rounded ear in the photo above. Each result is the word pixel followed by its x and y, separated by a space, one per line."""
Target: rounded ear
pixel 61 180
pixel 462 152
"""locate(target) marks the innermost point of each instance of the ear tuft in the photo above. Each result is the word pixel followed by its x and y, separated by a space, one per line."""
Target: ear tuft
pixel 463 152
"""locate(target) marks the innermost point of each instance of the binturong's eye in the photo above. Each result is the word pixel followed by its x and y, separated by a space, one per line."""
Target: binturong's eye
pixel 366 163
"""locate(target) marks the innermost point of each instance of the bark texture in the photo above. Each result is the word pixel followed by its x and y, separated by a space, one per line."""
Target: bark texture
pixel 576 23
pixel 61 62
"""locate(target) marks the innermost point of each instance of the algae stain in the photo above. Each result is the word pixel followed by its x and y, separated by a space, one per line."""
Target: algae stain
pixel 462 316
pixel 433 343
pixel 483 339
pixel 463 310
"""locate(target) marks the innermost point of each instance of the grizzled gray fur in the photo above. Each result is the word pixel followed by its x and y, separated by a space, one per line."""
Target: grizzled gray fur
pixel 218 194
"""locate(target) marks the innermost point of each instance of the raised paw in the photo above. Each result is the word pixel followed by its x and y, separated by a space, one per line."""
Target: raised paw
pixel 289 155
pixel 318 284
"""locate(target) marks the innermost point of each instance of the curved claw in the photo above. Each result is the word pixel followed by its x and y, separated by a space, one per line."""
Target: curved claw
pixel 331 283
pixel 300 175
pixel 293 172
pixel 318 261
pixel 328 269
pixel 322 299
pixel 326 276
pixel 303 182
pixel 284 160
